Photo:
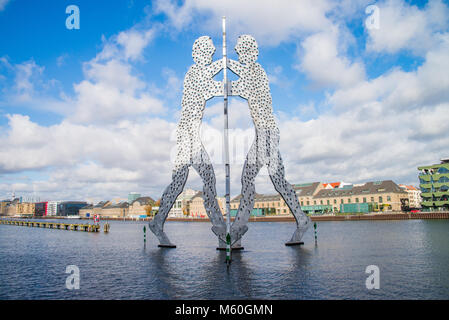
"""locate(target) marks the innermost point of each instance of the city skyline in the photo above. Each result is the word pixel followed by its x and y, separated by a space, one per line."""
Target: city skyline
pixel 93 111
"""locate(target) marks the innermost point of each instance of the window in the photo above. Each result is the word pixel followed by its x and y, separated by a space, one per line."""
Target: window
pixel 349 200
pixel 314 201
pixel 444 179
pixel 335 201
pixel 321 201
pixel 302 203
pixel 308 202
pixel 372 199
pixel 285 210
pixel 342 201
pixel 364 200
pixel 357 200
pixel 380 200
pixel 328 202
pixel 388 198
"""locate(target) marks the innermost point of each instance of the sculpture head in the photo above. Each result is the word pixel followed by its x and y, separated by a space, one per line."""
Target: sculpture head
pixel 203 50
pixel 247 49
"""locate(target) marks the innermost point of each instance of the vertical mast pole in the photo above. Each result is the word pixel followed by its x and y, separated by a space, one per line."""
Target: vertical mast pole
pixel 226 148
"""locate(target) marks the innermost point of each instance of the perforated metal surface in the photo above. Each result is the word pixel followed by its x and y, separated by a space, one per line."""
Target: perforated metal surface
pixel 253 86
pixel 199 87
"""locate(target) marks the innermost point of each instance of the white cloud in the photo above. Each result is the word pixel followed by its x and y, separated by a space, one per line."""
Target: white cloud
pixel 404 26
pixel 323 63
pixel 134 42
pixel 399 90
pixel 270 24
pixel 111 90
pixel 23 83
pixel 129 153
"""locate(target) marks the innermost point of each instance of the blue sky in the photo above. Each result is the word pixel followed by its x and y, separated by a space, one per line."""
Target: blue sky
pixel 91 113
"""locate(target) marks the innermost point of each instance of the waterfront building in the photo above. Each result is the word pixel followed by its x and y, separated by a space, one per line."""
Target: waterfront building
pixel 25 208
pixel 264 204
pixel 182 203
pixel 382 195
pixel 117 210
pixel 139 206
pixel 70 208
pixel 86 211
pixel 9 207
pixel 52 208
pixel 40 209
pixel 319 198
pixel 414 196
pixel 269 204
pixel 196 206
pixel 90 210
pixel 3 206
pixel 306 195
pixel 132 196
pixel 434 185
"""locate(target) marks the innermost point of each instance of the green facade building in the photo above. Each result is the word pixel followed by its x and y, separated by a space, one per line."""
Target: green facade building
pixel 434 185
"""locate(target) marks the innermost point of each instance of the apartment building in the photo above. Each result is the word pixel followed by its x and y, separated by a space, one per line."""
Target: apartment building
pixel 138 207
pixel 434 185
pixel 383 195
pixel 414 195
pixel 182 203
pixel 196 206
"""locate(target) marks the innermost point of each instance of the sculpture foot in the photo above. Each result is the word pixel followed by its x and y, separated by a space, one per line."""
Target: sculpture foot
pixel 166 246
pixel 237 234
pixel 298 234
pixel 288 244
pixel 220 232
pixel 164 242
pixel 235 247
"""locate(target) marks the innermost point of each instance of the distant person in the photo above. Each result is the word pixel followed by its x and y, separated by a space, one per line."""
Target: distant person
pixel 199 87
pixel 253 86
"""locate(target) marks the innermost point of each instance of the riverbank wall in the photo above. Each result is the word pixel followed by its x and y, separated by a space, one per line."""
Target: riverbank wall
pixel 290 218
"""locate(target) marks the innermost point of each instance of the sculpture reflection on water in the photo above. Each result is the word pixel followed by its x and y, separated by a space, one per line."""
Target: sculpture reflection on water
pixel 252 86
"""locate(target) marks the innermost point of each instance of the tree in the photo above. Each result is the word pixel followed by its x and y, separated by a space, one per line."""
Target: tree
pixel 148 209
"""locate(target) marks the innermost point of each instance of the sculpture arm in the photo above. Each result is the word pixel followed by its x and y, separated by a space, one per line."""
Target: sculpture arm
pixel 238 88
pixel 235 67
pixel 215 67
pixel 216 89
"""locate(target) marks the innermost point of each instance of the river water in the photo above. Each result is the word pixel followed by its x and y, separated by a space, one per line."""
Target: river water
pixel 412 256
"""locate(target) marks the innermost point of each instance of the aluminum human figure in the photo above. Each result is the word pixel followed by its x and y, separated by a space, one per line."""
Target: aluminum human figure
pixel 253 86
pixel 199 87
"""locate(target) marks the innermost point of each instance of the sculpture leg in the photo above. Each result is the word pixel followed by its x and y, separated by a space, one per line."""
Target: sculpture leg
pixel 277 176
pixel 251 168
pixel 169 196
pixel 203 166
